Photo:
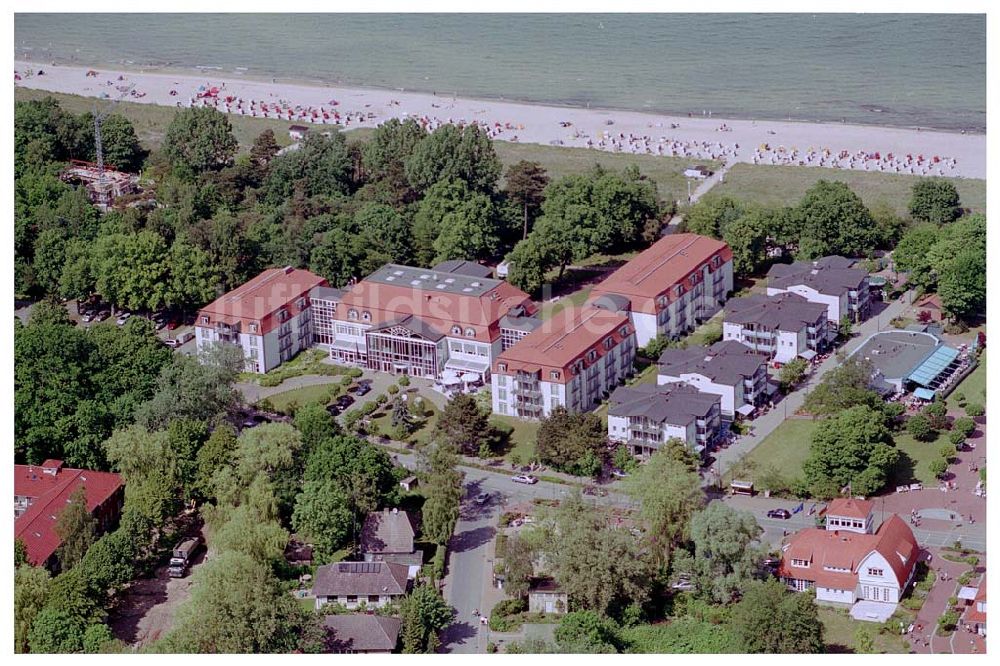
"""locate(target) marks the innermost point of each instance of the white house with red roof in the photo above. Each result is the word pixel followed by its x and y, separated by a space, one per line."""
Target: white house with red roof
pixel 269 317
pixel 848 562
pixel 975 615
pixel 41 492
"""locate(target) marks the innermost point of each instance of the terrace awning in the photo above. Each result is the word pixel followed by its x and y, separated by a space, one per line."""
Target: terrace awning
pixel 928 372
pixel 462 365
pixel 967 593
pixel 924 394
pixel 745 410
pixel 808 354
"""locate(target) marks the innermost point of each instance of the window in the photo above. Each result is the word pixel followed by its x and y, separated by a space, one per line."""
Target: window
pixel 875 572
pixel 554 374
pixel 253 328
pixel 366 316
pixel 352 314
pixel 623 331
pixel 373 598
pixel 470 332
pixel 502 367
pixel 204 320
pixel 800 563
pixel 352 599
pixel 300 304
pixel 678 290
pixel 716 260
pixel 283 315
pixel 502 394
pixel 608 343
pixel 592 356
pixel 456 330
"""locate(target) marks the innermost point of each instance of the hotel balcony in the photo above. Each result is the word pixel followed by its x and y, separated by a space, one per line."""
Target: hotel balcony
pixel 527 394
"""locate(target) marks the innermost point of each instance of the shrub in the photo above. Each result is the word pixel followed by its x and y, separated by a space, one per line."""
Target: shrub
pixel 346 381
pixel 510 607
pixel 505 623
pixel 392 390
pixel 369 407
pixel 960 399
pixel 354 373
pixel 964 425
pixel 938 467
pixel 965 578
pixel 957 439
pixel 506 518
pixel 404 381
pixel 975 409
pixel 948 620
pixel 437 563
pixel 919 426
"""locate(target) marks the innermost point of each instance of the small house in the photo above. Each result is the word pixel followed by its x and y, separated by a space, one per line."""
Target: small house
pixel 387 536
pixel 545 596
pixel 409 483
pixel 699 172
pixel 297 132
pixel 931 304
pixel 351 584
pixel 361 634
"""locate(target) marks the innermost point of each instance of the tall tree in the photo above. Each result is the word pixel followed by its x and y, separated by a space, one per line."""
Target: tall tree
pixel 935 200
pixel 852 448
pixel 76 528
pixel 323 514
pixel 834 220
pixel 769 619
pixel 424 614
pixel 518 556
pixel 669 495
pixel 463 425
pixel 120 144
pixel 385 154
pixel 454 152
pixel 526 182
pixel 200 139
pixel 443 490
pixel 31 586
pixel 572 442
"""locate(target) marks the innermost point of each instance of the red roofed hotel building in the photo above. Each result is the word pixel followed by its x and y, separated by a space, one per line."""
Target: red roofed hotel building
pixel 848 561
pixel 423 321
pixel 269 317
pixel 572 360
pixel 41 492
pixel 671 286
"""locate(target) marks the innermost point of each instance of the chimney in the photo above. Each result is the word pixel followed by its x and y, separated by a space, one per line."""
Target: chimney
pixel 395 511
pixel 288 270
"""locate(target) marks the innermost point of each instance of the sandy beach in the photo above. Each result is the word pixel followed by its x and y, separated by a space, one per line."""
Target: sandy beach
pixel 866 148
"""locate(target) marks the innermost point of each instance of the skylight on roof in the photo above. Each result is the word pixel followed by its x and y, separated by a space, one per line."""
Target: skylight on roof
pixel 389 278
pixel 466 289
pixel 441 286
pixel 397 272
pixel 415 283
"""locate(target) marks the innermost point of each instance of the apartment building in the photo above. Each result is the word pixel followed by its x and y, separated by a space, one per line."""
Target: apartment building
pixel 831 281
pixel 671 286
pixel 782 327
pixel 573 360
pixel 41 492
pixel 268 317
pixel 729 369
pixel 645 416
pixel 422 321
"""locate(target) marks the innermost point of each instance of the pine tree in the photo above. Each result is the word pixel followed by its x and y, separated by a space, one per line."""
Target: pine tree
pixel 76 528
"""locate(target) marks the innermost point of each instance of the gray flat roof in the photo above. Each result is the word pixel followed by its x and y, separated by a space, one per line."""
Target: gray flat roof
pixel 432 280
pixel 326 293
pixel 520 323
pixel 897 353
pixel 463 267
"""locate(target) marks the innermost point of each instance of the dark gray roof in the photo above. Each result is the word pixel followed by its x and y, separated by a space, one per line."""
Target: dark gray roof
pixel 387 531
pixel 677 404
pixel 432 280
pixel 361 632
pixel 727 362
pixel 360 578
pixel 785 312
pixel 897 353
pixel 612 302
pixel 543 584
pixel 415 324
pixel 520 323
pixel 831 275
pixel 326 293
pixel 463 267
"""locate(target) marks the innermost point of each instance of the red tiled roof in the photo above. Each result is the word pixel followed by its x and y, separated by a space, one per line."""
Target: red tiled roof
pixel 894 541
pixel 442 310
pixel 849 508
pixel 50 494
pixel 259 300
pixel 562 340
pixel 655 270
pixel 929 301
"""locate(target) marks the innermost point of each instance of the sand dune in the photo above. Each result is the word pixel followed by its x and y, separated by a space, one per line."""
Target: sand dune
pixel 870 148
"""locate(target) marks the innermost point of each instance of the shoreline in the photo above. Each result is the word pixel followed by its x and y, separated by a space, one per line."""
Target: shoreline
pixel 881 148
pixel 244 74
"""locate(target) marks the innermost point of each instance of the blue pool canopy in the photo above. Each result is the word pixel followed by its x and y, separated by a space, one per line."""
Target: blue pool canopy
pixel 933 366
pixel 924 394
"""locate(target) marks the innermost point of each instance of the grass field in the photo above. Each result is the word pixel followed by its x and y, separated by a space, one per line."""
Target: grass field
pixel 523 437
pixel 422 434
pixel 548 309
pixel 302 396
pixel 785 185
pixel 973 386
pixel 785 449
pixel 150 121
pixel 840 631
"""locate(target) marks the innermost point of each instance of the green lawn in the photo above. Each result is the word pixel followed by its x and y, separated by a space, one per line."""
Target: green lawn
pixel 921 453
pixel 841 630
pixel 973 386
pixel 422 434
pixel 547 310
pixel 784 185
pixel 785 449
pixel 150 121
pixel 302 396
pixel 666 172
pixel 522 439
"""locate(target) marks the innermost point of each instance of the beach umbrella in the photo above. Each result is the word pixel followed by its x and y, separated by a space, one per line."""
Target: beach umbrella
pixel 470 377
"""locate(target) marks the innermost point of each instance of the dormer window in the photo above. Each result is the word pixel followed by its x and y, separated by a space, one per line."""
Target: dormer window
pixel 592 355
pixel 502 367
pixel 352 314
pixel 716 261
pixel 678 290
pixel 800 563
pixel 456 330
pixel 470 332
pixel 608 342
pixel 623 331
pixel 204 319
pixel 301 304
pixel 253 328
pixel 553 374
pixel 283 315
pixel 366 316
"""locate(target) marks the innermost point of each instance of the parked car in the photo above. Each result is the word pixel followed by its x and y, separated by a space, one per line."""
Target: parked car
pixel 364 388
pixel 173 323
pixel 483 499
pixel 102 315
pixel 618 474
pixel 783 514
pixel 594 490
pixel 333 409
pixel 88 317
pixel 345 401
pixel 524 478
pixel 122 318
pixel 184 337
pixel 682 585
pixel 172 343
